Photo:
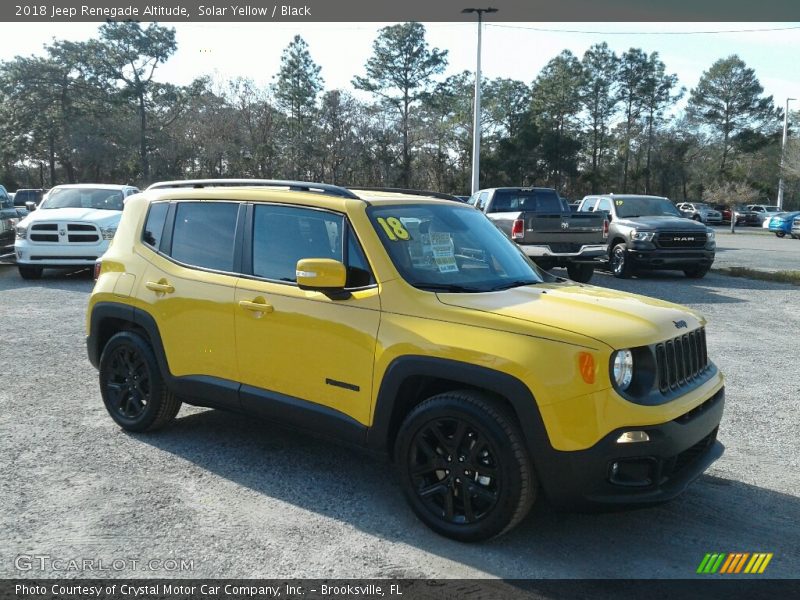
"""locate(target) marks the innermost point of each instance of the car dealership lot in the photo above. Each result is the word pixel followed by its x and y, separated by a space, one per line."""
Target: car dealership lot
pixel 237 498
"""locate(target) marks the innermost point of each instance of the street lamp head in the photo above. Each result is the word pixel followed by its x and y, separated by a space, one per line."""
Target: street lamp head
pixel 479 10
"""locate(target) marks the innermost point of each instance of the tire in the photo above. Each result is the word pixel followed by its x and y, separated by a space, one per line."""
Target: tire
pixel 463 466
pixel 697 218
pixel 618 262
pixel 30 272
pixel 696 272
pixel 780 234
pixel 580 272
pixel 132 387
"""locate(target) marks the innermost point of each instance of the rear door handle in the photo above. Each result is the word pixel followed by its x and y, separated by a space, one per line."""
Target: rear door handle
pixel 160 287
pixel 258 306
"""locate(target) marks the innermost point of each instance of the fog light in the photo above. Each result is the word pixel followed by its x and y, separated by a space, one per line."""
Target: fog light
pixel 633 472
pixel 630 437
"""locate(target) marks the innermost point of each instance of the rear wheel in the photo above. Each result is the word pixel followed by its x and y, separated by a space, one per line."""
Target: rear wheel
pixel 619 263
pixel 697 218
pixel 780 233
pixel 133 390
pixel 696 272
pixel 30 272
pixel 463 466
pixel 580 272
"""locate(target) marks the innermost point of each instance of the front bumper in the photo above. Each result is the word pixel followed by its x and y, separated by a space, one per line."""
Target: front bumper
pixel 58 255
pixel 678 452
pixel 650 257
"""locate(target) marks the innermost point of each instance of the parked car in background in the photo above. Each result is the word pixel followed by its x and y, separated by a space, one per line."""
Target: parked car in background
pixel 795 231
pixel 781 224
pixel 764 212
pixel 743 216
pixel 700 211
pixel 546 229
pixel 648 232
pixel 8 220
pixel 71 228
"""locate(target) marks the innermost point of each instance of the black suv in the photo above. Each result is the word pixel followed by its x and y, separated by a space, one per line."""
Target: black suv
pixel 648 232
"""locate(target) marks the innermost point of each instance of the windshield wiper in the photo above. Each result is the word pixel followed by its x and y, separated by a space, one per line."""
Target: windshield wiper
pixel 446 287
pixel 512 284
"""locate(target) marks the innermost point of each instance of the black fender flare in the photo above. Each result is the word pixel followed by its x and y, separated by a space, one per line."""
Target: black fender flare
pixel 518 395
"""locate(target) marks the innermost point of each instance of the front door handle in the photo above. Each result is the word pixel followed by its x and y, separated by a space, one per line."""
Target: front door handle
pixel 259 305
pixel 160 287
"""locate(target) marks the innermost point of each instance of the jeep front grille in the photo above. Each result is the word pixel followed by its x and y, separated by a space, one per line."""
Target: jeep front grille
pixel 681 359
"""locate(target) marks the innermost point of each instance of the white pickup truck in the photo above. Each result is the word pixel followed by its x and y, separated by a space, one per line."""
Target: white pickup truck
pixel 72 227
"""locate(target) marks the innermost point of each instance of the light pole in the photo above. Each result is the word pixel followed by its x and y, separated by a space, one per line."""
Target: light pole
pixel 476 119
pixel 783 150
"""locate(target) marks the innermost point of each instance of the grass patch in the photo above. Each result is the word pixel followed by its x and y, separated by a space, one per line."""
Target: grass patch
pixel 792 277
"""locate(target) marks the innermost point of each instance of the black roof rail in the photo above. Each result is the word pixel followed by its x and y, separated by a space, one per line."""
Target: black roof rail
pixel 439 195
pixel 296 186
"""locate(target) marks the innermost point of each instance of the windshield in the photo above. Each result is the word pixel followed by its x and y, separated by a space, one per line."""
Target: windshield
pixel 450 249
pixel 83 198
pixel 645 207
pixel 700 205
pixel 772 208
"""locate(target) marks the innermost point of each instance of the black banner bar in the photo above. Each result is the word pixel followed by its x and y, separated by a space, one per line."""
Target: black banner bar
pixel 394 10
pixel 729 588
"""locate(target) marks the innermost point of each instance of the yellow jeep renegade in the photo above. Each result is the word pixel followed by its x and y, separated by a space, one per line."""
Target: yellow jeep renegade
pixel 406 323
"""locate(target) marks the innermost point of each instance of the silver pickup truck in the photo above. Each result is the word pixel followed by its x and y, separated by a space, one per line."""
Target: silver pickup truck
pixel 545 228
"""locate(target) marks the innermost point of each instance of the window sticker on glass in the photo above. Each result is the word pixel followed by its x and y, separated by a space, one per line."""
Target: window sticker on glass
pixel 619 202
pixel 442 250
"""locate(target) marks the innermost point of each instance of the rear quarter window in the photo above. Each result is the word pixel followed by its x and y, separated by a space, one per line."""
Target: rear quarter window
pixel 154 225
pixel 204 234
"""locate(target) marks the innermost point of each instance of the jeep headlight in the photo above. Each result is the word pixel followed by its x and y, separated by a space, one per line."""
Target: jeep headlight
pixel 622 368
pixel 711 236
pixel 108 232
pixel 642 236
pixel 21 231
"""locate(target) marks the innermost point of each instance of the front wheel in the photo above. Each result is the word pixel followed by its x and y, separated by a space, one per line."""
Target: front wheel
pixel 780 234
pixel 133 390
pixel 463 466
pixel 580 272
pixel 696 272
pixel 619 263
pixel 30 272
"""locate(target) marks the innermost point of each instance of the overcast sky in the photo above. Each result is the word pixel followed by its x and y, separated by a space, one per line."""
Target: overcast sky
pixel 514 50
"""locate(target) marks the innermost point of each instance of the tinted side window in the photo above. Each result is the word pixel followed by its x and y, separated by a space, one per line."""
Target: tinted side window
pixel 282 235
pixel 154 226
pixel 204 234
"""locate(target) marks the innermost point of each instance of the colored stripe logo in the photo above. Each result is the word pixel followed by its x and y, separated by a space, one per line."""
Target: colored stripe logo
pixel 734 562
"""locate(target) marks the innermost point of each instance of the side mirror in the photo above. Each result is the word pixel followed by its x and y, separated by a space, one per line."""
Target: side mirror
pixel 321 274
pixel 30 205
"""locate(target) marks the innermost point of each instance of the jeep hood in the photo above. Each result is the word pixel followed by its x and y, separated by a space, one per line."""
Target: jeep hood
pixel 85 215
pixel 618 319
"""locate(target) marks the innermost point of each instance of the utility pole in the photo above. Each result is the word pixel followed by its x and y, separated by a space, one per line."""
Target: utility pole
pixel 783 150
pixel 476 119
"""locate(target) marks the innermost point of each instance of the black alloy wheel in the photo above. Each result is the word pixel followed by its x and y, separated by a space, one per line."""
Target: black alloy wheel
pixel 131 384
pixel 128 382
pixel 464 467
pixel 454 470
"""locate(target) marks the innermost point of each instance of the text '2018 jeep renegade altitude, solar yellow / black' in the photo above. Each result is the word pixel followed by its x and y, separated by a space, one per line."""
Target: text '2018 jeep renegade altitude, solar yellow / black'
pixel 409 324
